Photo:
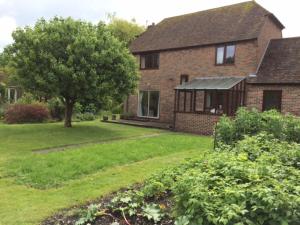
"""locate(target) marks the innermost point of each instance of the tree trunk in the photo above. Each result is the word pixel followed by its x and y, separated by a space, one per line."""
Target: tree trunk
pixel 68 113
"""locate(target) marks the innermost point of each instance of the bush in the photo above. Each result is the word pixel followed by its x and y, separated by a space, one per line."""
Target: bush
pixel 247 122
pixel 26 113
pixel 2 110
pixel 225 189
pixel 2 93
pixel 251 122
pixel 85 116
pixel 56 108
pixel 27 98
pixel 118 109
pixel 90 108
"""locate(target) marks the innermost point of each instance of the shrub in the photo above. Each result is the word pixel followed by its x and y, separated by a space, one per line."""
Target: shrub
pixel 78 108
pixel 2 93
pixel 2 111
pixel 90 108
pixel 251 122
pixel 225 130
pixel 247 122
pixel 26 113
pixel 118 109
pixel 225 189
pixel 85 116
pixel 292 128
pixel 27 98
pixel 56 108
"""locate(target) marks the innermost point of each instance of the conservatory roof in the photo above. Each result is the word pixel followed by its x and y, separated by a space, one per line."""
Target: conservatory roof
pixel 211 83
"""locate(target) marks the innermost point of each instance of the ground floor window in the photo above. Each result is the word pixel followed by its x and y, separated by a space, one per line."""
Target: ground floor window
pixel 272 100
pixel 148 104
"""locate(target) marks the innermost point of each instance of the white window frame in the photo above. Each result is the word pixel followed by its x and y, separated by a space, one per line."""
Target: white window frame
pixel 158 109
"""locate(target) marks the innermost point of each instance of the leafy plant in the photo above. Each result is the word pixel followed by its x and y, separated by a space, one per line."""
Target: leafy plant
pixel 85 116
pixel 89 216
pixel 182 220
pixel 152 212
pixel 229 189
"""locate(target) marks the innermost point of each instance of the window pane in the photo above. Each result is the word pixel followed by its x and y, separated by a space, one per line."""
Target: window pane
pixel 220 102
pixel 199 101
pixel 220 55
pixel 230 52
pixel 208 100
pixel 143 103
pixel 143 62
pixel 181 101
pixel 148 61
pixel 155 60
pixel 154 104
pixel 188 101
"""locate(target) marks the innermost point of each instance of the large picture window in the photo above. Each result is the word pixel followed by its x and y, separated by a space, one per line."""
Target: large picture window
pixel 148 104
pixel 149 61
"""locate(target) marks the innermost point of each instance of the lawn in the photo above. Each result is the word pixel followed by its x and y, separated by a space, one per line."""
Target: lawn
pixel 102 158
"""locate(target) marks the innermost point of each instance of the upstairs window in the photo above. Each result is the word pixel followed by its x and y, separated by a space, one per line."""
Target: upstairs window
pixel 225 54
pixel 149 61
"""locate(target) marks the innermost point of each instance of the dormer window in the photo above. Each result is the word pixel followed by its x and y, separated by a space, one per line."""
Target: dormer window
pixel 149 61
pixel 225 54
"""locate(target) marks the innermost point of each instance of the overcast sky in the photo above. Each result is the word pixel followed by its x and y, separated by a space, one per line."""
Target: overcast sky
pixel 14 13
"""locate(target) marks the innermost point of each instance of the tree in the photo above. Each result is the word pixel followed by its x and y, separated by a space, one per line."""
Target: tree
pixel 72 60
pixel 124 30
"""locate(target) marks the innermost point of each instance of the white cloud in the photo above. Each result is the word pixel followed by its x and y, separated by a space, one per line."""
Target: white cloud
pixel 7 26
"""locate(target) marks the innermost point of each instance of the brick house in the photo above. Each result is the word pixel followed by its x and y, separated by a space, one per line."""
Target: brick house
pixel 198 66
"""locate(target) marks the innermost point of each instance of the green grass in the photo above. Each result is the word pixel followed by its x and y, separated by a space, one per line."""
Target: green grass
pixel 33 185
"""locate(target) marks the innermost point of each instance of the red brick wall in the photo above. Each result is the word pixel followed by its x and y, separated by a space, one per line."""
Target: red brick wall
pixel 196 62
pixel 290 97
pixel 269 31
pixel 196 123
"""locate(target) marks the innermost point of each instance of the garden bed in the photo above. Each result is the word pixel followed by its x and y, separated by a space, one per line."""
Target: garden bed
pixel 107 216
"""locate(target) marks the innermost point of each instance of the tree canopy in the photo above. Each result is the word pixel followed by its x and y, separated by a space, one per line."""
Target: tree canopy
pixel 73 60
pixel 125 31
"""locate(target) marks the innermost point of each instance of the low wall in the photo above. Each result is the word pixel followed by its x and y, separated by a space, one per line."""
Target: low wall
pixel 196 123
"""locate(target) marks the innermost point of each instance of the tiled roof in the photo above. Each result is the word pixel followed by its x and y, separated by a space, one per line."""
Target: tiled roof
pixel 237 22
pixel 211 83
pixel 281 63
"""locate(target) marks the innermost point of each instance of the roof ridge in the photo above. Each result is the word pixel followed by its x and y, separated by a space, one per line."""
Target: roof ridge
pixel 218 77
pixel 286 38
pixel 218 8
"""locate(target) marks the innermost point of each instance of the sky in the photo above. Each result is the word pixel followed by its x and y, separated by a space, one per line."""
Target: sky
pixel 19 13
